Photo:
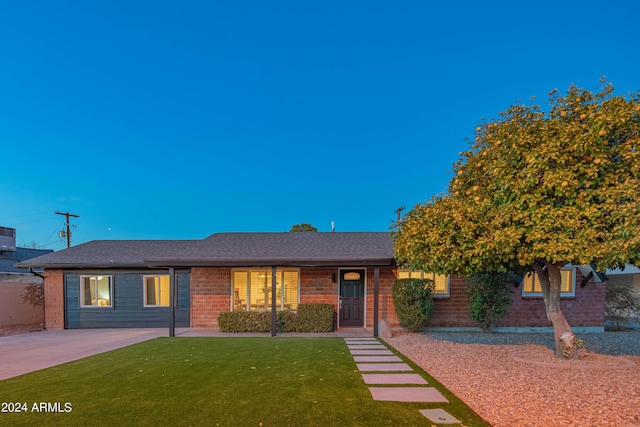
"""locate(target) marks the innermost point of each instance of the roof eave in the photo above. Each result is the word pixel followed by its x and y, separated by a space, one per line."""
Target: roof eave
pixel 273 263
pixel 63 266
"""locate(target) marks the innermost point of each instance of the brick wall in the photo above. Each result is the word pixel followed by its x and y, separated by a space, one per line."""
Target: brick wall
pixel 316 286
pixel 54 299
pixel 585 309
pixel 210 295
pixel 452 311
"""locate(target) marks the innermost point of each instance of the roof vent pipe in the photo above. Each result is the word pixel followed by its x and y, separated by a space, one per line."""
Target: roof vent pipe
pixel 333 227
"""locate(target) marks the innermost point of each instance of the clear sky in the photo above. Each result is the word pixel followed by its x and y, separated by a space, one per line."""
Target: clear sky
pixel 178 119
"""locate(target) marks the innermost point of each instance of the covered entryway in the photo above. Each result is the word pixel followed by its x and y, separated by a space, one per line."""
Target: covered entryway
pixel 352 297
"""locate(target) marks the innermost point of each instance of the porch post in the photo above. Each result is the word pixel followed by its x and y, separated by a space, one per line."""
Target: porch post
pixel 172 301
pixel 376 286
pixel 274 315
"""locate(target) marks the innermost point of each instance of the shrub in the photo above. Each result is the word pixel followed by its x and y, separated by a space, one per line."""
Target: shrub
pixel 245 321
pixel 621 306
pixel 489 295
pixel 413 302
pixel 308 318
pixel 287 321
pixel 314 318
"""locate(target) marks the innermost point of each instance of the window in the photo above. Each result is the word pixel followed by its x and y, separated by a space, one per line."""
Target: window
pixel 531 283
pixel 251 289
pixel 352 276
pixel 95 291
pixel 156 291
pixel 440 281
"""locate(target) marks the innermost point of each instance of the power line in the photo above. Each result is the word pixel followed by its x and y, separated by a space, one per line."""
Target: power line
pixel 54 230
pixel 67 215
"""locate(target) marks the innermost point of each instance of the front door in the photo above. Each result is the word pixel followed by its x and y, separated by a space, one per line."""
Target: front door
pixel 352 297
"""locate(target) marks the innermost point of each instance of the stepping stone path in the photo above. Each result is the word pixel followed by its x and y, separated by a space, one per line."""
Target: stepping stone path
pixel 377 359
pixel 372 356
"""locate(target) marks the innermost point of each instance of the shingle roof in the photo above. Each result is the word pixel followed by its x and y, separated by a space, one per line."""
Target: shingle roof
pixel 229 249
pixel 109 253
pixel 9 259
pixel 297 248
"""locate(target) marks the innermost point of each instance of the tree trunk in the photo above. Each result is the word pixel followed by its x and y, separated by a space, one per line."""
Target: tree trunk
pixel 550 282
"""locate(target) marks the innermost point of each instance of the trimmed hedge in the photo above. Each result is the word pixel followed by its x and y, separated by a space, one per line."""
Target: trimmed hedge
pixel 413 302
pixel 314 318
pixel 245 321
pixel 308 318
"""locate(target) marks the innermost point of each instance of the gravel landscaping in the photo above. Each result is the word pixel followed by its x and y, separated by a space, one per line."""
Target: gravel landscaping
pixel 613 343
pixel 515 379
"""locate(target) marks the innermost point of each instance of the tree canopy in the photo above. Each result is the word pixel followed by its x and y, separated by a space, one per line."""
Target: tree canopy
pixel 303 227
pixel 538 188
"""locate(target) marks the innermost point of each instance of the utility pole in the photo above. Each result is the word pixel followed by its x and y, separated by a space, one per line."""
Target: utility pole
pixel 67 215
pixel 399 212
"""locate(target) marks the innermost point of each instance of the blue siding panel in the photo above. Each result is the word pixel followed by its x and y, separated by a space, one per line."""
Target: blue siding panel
pixel 127 309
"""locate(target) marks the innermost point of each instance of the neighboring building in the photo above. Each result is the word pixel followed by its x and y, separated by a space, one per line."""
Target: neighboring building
pixel 126 283
pixel 14 281
pixel 629 277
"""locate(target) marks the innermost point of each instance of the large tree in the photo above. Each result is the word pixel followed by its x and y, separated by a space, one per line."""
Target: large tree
pixel 539 188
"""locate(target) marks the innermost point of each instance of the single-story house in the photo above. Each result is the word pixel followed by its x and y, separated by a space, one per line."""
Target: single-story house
pixel 127 283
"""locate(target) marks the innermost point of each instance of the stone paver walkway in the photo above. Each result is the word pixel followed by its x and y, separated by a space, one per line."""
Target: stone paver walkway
pixel 367 347
pixel 383 367
pixel 371 355
pixel 439 416
pixel 377 359
pixel 407 394
pixel 372 352
pixel 393 379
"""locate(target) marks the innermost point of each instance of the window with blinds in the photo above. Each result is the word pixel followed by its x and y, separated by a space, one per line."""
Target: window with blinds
pixel 531 283
pixel 440 281
pixel 252 289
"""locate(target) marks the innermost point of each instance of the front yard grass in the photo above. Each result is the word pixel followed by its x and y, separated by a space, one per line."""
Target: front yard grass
pixel 214 382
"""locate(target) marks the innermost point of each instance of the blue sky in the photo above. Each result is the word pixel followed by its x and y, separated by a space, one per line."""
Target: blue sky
pixel 175 120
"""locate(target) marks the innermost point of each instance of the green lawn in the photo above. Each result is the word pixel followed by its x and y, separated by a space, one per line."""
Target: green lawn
pixel 216 381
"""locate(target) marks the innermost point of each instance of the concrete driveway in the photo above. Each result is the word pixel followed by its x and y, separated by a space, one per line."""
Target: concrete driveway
pixel 21 354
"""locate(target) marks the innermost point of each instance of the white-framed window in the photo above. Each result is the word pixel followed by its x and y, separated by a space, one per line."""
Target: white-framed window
pixel 251 289
pixel 96 291
pixel 531 284
pixel 440 281
pixel 156 291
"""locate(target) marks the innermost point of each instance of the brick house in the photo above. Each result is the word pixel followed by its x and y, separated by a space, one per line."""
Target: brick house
pixel 128 283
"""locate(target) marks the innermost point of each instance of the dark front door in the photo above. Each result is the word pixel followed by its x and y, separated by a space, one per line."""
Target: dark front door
pixel 352 297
